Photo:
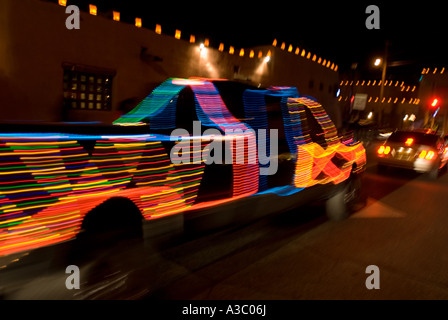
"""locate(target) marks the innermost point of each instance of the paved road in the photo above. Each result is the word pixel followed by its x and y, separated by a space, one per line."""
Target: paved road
pixel 403 231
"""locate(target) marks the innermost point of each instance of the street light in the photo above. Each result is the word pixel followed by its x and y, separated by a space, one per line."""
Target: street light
pixel 379 61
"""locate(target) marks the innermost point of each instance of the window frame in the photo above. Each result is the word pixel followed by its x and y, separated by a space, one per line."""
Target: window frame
pixel 87 88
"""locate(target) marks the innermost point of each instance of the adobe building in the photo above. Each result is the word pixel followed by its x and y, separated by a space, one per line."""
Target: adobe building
pixel 51 73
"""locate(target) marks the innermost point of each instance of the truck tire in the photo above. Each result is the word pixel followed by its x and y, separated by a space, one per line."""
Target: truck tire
pixel 347 199
pixel 112 229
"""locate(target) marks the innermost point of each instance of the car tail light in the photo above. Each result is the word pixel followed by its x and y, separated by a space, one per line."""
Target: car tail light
pixel 409 142
pixel 384 150
pixel 428 155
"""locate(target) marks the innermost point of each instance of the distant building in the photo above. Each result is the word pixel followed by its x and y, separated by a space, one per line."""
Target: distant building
pixel 397 108
pixel 50 73
pixel 434 97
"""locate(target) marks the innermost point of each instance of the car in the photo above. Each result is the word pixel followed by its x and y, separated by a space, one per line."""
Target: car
pixel 422 151
pixel 93 183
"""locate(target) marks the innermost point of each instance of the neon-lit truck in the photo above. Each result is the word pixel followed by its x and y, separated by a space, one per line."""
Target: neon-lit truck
pixel 59 182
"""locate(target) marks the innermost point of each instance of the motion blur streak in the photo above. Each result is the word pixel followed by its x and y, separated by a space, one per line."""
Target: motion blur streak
pixel 315 163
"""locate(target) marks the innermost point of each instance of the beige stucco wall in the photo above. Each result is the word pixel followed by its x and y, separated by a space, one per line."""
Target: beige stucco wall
pixel 35 43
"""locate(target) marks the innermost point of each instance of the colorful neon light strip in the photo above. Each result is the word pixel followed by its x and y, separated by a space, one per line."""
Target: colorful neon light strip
pixel 49 182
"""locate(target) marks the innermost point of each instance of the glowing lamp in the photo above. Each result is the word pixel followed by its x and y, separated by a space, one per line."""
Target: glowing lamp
pixel 435 102
pixel 206 42
pixel 221 47
pixel 138 22
pixel 241 52
pixel 192 39
pixel 251 54
pixel 116 16
pixel 231 50
pixel 62 2
pixel 158 29
pixel 177 34
pixel 92 9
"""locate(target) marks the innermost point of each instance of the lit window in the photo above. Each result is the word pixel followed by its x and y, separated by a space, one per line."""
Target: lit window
pixel 87 90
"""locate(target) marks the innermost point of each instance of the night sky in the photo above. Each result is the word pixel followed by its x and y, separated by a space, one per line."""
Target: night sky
pixel 333 29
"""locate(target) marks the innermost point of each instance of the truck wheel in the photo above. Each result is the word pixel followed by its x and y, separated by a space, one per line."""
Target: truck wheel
pixel 112 236
pixel 348 199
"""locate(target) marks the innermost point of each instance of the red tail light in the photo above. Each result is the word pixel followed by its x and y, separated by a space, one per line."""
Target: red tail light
pixel 409 142
pixel 428 155
pixel 384 150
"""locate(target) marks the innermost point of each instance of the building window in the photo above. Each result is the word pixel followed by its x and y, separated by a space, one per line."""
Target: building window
pixel 87 90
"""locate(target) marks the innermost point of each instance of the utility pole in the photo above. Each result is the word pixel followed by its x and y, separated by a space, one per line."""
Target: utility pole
pixel 383 79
